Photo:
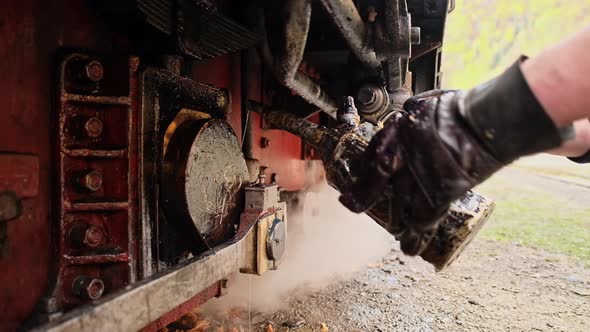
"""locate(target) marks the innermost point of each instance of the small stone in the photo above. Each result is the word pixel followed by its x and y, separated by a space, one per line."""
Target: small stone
pixel 473 302
pixel 293 323
pixel 581 292
pixel 410 277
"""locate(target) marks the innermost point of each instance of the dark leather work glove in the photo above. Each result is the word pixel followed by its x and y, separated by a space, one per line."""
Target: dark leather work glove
pixel 441 145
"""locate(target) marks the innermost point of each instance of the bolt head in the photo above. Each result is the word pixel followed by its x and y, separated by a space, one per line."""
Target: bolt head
pixel 94 71
pixel 50 304
pixel 93 127
pixel 274 178
pixel 10 206
pixel 93 237
pixel 92 181
pixel 264 142
pixel 366 95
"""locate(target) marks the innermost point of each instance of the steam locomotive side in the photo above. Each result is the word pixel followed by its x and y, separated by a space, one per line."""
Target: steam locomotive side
pixel 136 170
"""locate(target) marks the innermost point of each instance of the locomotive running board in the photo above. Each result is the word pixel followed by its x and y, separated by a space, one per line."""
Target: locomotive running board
pixel 139 304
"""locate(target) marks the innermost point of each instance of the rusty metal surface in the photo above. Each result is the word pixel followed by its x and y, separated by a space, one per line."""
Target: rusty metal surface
pixel 97 140
pixel 393 34
pixel 200 94
pixel 206 33
pixel 347 19
pixel 164 96
pixel 210 292
pixel 284 61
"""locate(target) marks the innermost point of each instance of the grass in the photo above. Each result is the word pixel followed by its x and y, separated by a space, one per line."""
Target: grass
pixel 554 165
pixel 483 37
pixel 537 219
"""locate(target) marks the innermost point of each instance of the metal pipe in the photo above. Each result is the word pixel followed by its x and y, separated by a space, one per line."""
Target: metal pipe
pixel 309 132
pixel 244 90
pixel 202 95
pixel 348 21
pixel 285 63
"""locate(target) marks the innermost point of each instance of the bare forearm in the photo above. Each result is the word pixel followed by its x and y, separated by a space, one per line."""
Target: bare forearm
pixel 579 145
pixel 558 77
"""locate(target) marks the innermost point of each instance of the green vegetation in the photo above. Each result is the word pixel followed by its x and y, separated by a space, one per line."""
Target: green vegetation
pixel 536 218
pixel 483 37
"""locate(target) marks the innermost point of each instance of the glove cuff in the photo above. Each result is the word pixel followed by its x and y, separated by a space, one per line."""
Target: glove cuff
pixel 507 117
pixel 583 159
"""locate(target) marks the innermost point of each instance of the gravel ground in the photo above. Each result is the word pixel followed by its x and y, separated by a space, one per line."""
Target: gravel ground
pixel 493 287
pixel 352 277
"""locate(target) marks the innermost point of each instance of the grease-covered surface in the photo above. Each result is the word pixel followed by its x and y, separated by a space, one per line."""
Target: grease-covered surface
pixel 214 194
pixel 204 172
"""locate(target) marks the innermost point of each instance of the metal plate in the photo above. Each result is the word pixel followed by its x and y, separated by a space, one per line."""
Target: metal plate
pixel 203 174
pixel 275 242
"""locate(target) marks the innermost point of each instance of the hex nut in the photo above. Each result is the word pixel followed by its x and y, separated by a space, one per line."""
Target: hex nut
pixel 366 95
pixel 84 235
pixel 93 127
pixel 88 288
pixel 93 237
pixel 372 99
pixel 91 181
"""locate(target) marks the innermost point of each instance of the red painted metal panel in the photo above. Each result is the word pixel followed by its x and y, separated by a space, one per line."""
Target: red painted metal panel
pixel 284 156
pixel 30 35
pixel 20 174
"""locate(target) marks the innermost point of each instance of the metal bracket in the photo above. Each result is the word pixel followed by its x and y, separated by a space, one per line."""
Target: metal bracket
pixel 97 174
pixel 262 205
